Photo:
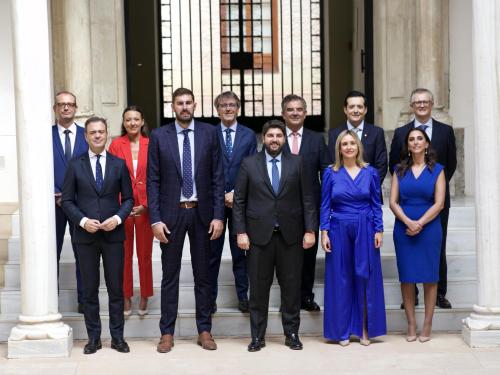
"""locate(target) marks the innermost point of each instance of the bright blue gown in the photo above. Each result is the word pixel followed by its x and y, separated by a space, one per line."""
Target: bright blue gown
pixel 351 212
pixel 418 256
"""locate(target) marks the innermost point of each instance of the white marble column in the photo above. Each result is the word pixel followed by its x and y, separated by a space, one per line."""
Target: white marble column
pixel 482 328
pixel 40 332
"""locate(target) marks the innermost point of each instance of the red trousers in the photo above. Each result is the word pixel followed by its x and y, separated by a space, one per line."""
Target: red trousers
pixel 144 247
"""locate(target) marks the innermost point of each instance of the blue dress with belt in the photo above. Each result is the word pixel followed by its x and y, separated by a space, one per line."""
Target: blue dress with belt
pixel 418 256
pixel 351 212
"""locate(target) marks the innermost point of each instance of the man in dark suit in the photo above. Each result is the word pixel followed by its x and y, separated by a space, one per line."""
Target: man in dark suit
pixel 237 142
pixel 371 136
pixel 443 142
pixel 97 197
pixel 274 217
pixel 68 142
pixel 185 186
pixel 311 146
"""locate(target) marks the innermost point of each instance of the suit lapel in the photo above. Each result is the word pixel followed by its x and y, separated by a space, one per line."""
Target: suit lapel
pixel 79 141
pixel 237 139
pixel 88 170
pixel 365 136
pixel 173 146
pixel 222 142
pixel 110 163
pixel 57 144
pixel 262 167
pixel 198 145
pixel 127 152
pixel 284 172
pixel 142 158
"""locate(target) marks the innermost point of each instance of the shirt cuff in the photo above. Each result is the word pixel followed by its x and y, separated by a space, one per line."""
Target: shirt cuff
pixel 83 221
pixel 118 219
pixel 152 225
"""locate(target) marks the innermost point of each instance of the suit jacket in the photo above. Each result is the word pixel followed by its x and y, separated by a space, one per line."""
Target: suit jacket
pixel 60 163
pixel 164 178
pixel 245 144
pixel 256 207
pixel 373 140
pixel 315 157
pixel 80 197
pixel 121 147
pixel 443 142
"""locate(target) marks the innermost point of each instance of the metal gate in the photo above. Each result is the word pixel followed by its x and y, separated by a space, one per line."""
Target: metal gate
pixel 261 50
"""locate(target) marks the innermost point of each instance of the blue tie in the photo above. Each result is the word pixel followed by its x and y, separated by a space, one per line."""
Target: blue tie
pixel 275 176
pixel 67 145
pixel 423 127
pixel 187 169
pixel 99 180
pixel 229 142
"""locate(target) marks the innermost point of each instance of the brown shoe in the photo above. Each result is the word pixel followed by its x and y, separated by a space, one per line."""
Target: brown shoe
pixel 206 341
pixel 166 343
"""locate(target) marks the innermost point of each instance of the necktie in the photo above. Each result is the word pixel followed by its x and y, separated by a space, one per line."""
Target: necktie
pixel 423 127
pixel 67 145
pixel 295 143
pixel 99 180
pixel 275 180
pixel 229 142
pixel 357 131
pixel 187 169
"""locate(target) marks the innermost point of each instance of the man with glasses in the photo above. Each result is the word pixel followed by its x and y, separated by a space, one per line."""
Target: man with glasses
pixel 443 142
pixel 237 142
pixel 68 142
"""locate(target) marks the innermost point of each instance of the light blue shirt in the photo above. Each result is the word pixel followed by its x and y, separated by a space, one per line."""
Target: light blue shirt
pixel 180 142
pixel 270 165
pixel 429 126
pixel 360 128
pixel 233 133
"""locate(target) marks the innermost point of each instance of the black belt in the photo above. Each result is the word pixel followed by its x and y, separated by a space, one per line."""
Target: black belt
pixel 276 229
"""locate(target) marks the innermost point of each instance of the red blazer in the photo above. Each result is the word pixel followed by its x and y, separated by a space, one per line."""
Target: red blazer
pixel 120 147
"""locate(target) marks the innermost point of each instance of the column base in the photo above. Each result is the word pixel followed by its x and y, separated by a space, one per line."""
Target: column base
pixel 481 339
pixel 43 340
pixel 482 328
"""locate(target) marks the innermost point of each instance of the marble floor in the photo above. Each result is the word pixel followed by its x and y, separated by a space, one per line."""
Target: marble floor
pixel 445 354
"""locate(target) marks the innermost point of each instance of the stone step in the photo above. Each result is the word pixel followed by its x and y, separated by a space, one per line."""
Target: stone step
pixel 230 322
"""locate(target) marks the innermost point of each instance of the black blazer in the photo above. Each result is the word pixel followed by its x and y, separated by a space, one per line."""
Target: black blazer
pixel 80 197
pixel 256 208
pixel 373 140
pixel 315 157
pixel 443 142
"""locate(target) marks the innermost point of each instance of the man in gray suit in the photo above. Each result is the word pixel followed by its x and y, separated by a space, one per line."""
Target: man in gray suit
pixel 274 217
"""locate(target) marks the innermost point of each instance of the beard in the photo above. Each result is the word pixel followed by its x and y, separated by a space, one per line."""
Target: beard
pixel 271 152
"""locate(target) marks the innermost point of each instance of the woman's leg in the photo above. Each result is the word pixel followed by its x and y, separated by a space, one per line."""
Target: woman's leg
pixel 128 247
pixel 408 293
pixel 430 293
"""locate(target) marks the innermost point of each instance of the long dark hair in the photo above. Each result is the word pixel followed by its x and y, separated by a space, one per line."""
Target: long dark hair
pixel 136 108
pixel 407 160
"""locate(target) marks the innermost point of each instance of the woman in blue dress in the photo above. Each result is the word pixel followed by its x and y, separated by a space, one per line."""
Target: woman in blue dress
pixel 417 197
pixel 351 235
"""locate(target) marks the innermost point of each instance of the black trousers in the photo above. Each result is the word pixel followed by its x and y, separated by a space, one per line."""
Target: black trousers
pixel 171 257
pixel 89 256
pixel 309 271
pixel 261 262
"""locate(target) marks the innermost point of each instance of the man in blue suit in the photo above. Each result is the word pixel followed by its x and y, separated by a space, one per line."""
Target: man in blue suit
pixel 97 197
pixel 371 136
pixel 68 142
pixel 237 142
pixel 185 188
pixel 311 146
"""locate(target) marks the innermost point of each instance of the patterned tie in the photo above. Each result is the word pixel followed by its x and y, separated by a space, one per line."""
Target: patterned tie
pixel 295 143
pixel 67 145
pixel 99 180
pixel 357 131
pixel 229 142
pixel 275 180
pixel 187 169
pixel 423 127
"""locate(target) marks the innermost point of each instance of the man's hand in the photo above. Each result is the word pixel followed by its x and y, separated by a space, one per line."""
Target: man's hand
pixel 92 225
pixel 309 240
pixel 228 199
pixel 216 227
pixel 138 210
pixel 109 224
pixel 160 232
pixel 378 239
pixel 243 241
pixel 325 241
pixel 58 199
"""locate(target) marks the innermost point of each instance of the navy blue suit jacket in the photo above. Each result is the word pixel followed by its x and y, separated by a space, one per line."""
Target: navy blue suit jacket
pixel 315 158
pixel 164 180
pixel 373 140
pixel 245 144
pixel 80 197
pixel 60 163
pixel 443 142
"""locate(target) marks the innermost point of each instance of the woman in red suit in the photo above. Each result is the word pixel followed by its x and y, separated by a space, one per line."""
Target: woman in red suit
pixel 132 146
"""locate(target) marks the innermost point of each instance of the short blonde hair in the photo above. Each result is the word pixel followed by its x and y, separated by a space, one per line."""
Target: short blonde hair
pixel 339 162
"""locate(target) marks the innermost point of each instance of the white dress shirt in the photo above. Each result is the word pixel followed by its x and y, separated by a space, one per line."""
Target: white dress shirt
pixel 72 135
pixel 360 128
pixel 269 165
pixel 180 142
pixel 289 136
pixel 233 133
pixel 428 124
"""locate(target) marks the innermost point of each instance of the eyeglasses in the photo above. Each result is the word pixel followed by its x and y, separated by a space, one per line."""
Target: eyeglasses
pixel 62 105
pixel 228 105
pixel 420 103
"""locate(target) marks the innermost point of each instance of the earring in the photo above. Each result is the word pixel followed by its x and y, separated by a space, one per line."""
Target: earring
pixel 426 151
pixel 409 154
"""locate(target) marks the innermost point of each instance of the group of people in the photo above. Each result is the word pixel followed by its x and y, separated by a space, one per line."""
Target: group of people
pixel 193 178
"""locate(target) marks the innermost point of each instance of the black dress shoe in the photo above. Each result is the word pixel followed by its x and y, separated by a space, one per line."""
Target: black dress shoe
pixel 93 345
pixel 309 305
pixel 442 302
pixel 403 305
pixel 243 306
pixel 256 344
pixel 80 308
pixel 120 345
pixel 293 342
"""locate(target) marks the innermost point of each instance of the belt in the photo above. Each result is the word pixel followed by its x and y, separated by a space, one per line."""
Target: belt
pixel 188 204
pixel 276 229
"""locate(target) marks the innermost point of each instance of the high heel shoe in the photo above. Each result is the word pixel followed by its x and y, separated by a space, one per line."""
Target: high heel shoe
pixel 344 342
pixel 364 342
pixel 127 307
pixel 143 307
pixel 411 338
pixel 423 339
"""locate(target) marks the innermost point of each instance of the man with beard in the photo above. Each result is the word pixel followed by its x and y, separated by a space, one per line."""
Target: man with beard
pixel 185 186
pixel 274 217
